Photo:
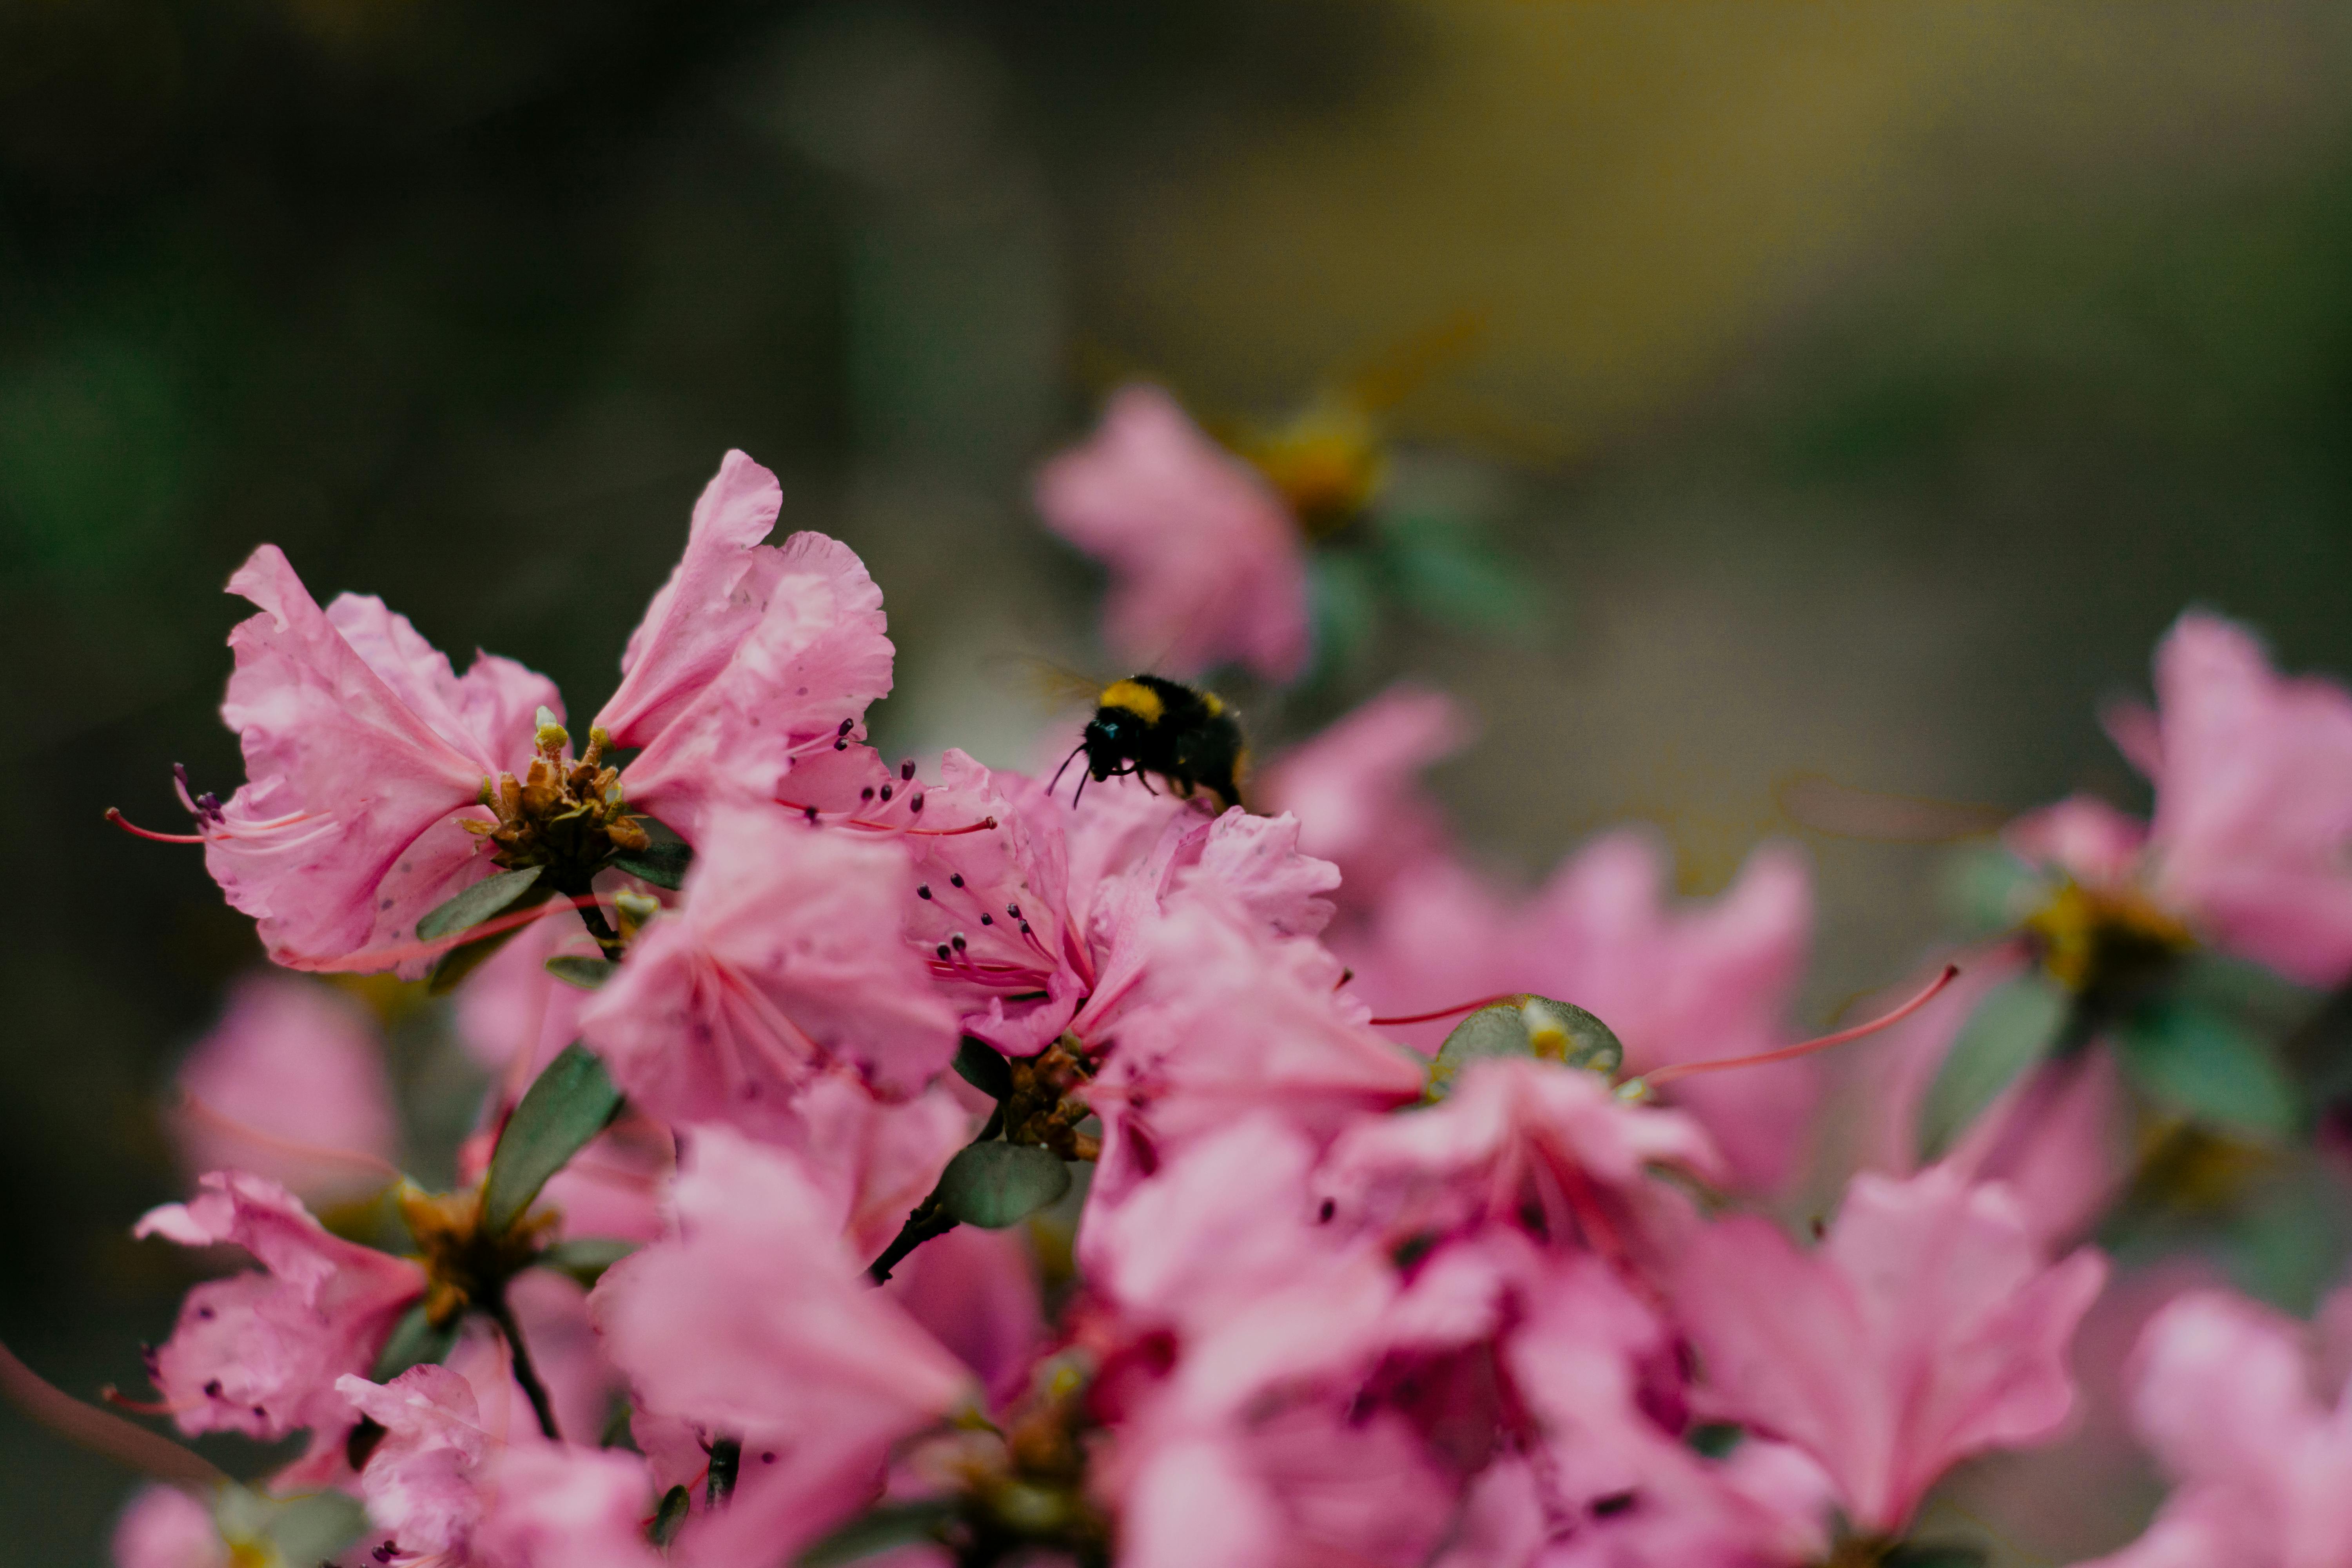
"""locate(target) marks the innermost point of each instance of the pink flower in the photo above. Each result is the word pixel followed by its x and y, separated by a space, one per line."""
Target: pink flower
pixel 1676 984
pixel 462 1474
pixel 1043 923
pixel 2254 805
pixel 1208 565
pixel 290 1078
pixel 2057 1139
pixel 363 751
pixel 1353 789
pixel 259 1353
pixel 164 1527
pixel 754 1322
pixel 2262 1470
pixel 794 690
pixel 1589 1475
pixel 976 1292
pixel 1224 1020
pixel 361 747
pixel 787 956
pixel 1925 1328
pixel 1523 1144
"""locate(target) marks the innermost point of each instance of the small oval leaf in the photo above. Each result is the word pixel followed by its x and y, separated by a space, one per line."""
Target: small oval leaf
pixel 993 1185
pixel 569 1102
pixel 578 969
pixel 984 1066
pixel 1536 1026
pixel 414 1341
pixel 663 863
pixel 489 897
pixel 2013 1027
pixel 2197 1061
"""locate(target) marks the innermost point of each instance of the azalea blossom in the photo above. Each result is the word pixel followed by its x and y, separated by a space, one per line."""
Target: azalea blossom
pixel 1208 565
pixel 381 783
pixel 2252 773
pixel 786 958
pixel 259 1351
pixel 1926 1328
pixel 2259 1451
pixel 1354 789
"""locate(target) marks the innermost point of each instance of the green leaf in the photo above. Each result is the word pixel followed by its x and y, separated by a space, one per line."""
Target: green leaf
pixel 461 961
pixel 585 1257
pixel 984 1066
pixel 993 1185
pixel 578 969
pixel 1916 1555
pixel 669 1514
pixel 663 863
pixel 413 1342
pixel 489 897
pixel 1985 890
pixel 1536 1026
pixel 2200 1061
pixel 877 1531
pixel 569 1102
pixel 2013 1027
pixel 1715 1439
pixel 1346 605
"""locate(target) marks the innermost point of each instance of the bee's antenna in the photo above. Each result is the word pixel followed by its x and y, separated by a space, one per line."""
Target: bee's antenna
pixel 1066 768
pixel 1078 794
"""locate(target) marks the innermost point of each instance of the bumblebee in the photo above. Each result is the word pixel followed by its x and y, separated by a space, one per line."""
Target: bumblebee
pixel 1148 725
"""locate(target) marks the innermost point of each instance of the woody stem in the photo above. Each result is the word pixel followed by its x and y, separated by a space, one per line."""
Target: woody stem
pixel 525 1372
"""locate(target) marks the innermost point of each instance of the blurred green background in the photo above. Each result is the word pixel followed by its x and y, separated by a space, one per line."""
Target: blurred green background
pixel 1867 385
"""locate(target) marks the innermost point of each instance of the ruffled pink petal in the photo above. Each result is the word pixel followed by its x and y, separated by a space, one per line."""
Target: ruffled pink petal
pixel 715 596
pixel 756 1321
pixel 1354 788
pixel 1025 964
pixel 2082 835
pixel 164 1527
pixel 422 1483
pixel 2255 813
pixel 976 1292
pixel 568 1508
pixel 815 658
pixel 341 838
pixel 788 956
pixel 1689 984
pixel 1925 1328
pixel 1226 1020
pixel 1207 565
pixel 259 1353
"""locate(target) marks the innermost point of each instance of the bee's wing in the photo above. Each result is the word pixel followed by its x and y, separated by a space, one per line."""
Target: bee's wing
pixel 1821 802
pixel 1055 685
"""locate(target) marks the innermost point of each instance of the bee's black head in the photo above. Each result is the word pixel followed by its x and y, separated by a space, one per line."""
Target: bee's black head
pixel 1111 740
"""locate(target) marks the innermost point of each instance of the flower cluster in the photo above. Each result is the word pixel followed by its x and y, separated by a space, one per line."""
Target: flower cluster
pixel 881 1165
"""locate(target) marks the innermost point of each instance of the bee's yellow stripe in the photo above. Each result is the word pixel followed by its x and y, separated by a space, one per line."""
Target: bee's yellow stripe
pixel 1136 697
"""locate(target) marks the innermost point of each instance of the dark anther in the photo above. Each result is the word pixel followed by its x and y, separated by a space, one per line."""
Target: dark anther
pixel 943 949
pixel 914 803
pixel 812 813
pixel 923 890
pixel 1323 1216
pixel 955 879
pixel 886 792
pixel 956 941
pixel 906 769
pixel 842 744
pixel 205 1314
pixel 986 918
pixel 846 726
pixel 1024 928
pixel 1615 1502
pixel 768 1456
pixel 212 1389
pixel 1013 909
pixel 865 793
